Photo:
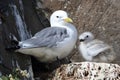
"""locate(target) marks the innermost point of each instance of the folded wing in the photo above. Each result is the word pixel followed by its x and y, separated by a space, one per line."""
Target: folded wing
pixel 96 46
pixel 48 37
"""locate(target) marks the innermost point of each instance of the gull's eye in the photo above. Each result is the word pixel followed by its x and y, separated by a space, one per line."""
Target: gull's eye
pixel 57 16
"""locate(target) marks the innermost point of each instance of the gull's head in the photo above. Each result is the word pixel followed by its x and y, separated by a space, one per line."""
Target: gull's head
pixel 86 37
pixel 59 17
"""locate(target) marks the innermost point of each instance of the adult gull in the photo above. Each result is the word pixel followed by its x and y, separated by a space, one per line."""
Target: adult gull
pixel 54 42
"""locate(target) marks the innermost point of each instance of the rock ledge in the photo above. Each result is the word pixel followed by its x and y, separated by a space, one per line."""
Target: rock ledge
pixel 88 71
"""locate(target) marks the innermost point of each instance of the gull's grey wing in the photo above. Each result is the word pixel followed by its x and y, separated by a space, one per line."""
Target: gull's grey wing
pixel 48 37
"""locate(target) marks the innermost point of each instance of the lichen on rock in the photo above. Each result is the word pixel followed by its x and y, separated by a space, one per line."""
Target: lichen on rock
pixel 88 71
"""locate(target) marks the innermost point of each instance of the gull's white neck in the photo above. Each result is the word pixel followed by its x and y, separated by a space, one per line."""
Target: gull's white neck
pixel 58 24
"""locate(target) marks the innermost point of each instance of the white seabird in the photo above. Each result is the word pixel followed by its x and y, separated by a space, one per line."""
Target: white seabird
pixel 53 42
pixel 94 49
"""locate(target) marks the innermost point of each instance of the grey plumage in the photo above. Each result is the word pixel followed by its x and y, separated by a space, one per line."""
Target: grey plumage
pixel 46 38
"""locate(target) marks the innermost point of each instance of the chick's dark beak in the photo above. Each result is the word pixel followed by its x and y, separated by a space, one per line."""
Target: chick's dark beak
pixel 81 40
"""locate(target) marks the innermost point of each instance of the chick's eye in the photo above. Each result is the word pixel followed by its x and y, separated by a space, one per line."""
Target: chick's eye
pixel 87 36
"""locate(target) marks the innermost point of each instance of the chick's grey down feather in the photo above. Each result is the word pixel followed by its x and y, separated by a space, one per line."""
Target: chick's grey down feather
pixel 46 38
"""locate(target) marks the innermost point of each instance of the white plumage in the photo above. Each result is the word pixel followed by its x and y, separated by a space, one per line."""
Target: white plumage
pixel 94 49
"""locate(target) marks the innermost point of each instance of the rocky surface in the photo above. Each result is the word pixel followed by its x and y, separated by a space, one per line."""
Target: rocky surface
pixel 88 71
pixel 17 17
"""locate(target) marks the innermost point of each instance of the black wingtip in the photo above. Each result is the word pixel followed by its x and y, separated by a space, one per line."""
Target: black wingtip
pixel 13 39
pixel 12 48
pixel 14 43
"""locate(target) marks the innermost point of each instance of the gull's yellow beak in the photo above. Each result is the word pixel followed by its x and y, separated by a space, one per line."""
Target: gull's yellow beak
pixel 68 20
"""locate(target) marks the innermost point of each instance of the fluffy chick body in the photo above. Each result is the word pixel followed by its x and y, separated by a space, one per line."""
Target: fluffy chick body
pixel 94 49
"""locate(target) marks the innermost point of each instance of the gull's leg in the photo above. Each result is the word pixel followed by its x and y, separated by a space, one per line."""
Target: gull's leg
pixel 58 60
